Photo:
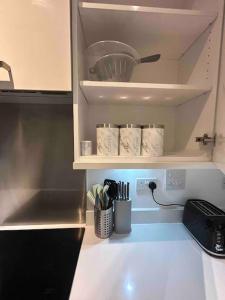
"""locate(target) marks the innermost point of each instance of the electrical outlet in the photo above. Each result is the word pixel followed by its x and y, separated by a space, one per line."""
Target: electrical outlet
pixel 142 185
pixel 175 180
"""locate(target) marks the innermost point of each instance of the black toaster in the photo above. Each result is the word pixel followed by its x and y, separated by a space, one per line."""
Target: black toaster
pixel 206 223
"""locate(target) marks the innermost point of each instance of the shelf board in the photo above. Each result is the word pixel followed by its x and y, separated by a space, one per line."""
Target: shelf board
pixel 148 29
pixel 176 160
pixel 99 92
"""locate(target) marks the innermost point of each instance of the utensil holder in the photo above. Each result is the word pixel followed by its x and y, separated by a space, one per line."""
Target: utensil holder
pixel 122 217
pixel 103 222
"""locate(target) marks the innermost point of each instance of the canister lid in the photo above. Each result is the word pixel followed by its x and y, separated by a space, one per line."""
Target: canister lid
pixel 105 125
pixel 130 126
pixel 153 126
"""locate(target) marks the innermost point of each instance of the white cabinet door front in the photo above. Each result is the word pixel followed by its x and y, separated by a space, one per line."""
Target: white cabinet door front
pixel 219 151
pixel 35 43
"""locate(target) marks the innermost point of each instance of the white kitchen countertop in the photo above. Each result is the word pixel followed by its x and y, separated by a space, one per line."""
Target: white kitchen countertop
pixel 155 262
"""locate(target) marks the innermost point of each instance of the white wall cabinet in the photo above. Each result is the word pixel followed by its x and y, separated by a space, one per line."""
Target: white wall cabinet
pixel 35 43
pixel 179 91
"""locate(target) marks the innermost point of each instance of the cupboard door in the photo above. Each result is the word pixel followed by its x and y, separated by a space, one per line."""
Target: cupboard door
pixel 219 150
pixel 35 44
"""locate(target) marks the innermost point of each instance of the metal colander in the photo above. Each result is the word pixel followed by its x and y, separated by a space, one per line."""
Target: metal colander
pixel 114 61
pixel 110 61
pixel 114 67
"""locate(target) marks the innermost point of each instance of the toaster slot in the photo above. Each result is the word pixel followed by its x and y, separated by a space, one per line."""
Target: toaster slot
pixel 207 208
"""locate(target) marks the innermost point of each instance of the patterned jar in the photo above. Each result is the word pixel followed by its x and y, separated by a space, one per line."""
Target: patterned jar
pixel 107 139
pixel 152 140
pixel 130 140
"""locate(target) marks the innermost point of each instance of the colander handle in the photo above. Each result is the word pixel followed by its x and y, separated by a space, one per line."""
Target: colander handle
pixel 149 59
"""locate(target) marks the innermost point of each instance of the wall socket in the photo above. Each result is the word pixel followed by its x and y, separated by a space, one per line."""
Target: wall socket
pixel 175 180
pixel 142 185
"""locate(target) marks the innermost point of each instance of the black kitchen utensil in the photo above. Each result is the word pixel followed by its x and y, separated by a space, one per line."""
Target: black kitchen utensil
pixel 112 191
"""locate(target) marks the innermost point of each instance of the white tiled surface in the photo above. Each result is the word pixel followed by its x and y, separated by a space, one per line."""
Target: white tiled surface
pixel 155 262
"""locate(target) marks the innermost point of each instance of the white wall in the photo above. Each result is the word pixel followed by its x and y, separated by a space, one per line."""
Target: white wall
pixel 204 184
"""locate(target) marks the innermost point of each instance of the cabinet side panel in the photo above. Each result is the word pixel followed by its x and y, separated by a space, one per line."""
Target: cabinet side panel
pixel 199 66
pixel 80 104
pixel 78 47
pixel 74 13
pixel 219 151
pixel 80 112
pixel 193 119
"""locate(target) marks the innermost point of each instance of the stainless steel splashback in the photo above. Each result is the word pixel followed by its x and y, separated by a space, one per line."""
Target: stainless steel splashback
pixel 36 154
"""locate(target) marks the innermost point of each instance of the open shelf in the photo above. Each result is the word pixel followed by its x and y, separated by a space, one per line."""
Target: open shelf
pixel 173 160
pixel 148 29
pixel 100 92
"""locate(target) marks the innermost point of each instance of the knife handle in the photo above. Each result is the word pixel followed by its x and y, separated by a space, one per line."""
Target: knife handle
pixel 128 190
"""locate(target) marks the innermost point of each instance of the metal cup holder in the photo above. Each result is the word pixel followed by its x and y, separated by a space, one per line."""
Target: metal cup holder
pixel 103 222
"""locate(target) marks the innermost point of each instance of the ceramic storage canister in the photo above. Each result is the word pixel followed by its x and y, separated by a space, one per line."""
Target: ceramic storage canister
pixel 152 140
pixel 107 139
pixel 130 140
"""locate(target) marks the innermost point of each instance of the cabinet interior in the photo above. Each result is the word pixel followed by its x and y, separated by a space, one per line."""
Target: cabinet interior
pixel 178 91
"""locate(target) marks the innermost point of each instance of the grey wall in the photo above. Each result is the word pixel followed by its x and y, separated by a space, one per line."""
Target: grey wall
pixel 36 153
